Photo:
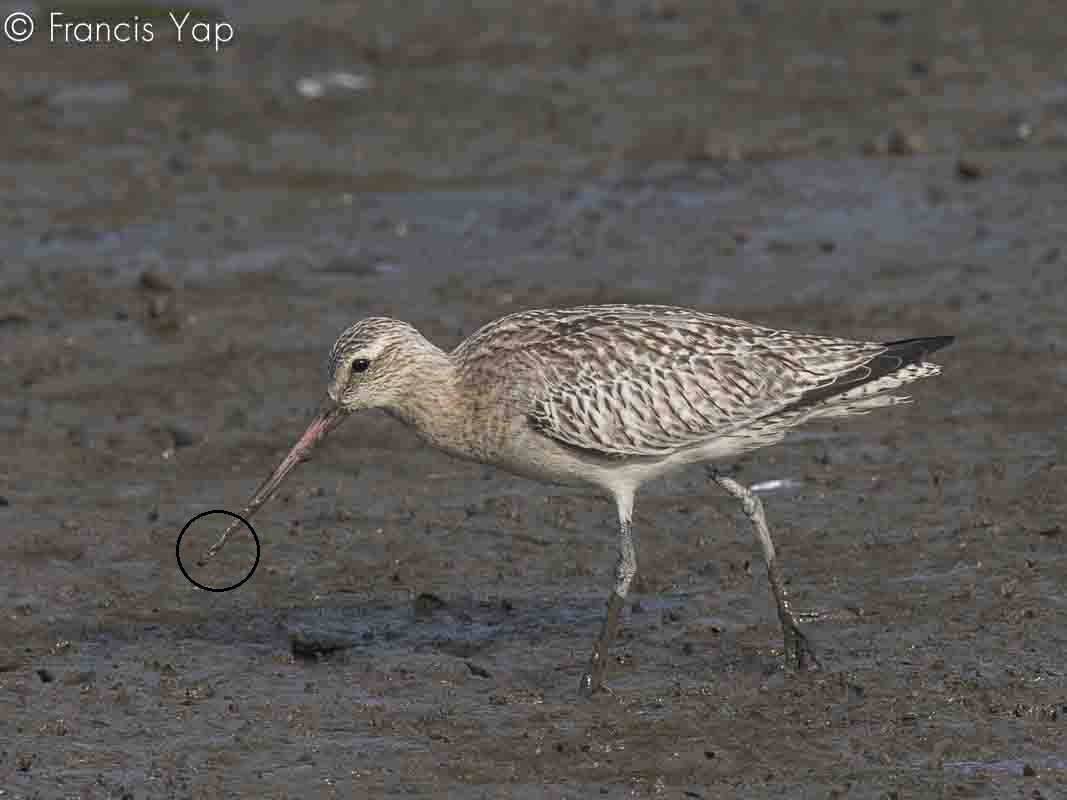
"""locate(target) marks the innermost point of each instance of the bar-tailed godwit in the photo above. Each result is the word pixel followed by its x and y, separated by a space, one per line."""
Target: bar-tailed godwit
pixel 611 397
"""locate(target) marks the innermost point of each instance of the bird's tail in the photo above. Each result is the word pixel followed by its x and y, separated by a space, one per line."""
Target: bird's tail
pixel 867 386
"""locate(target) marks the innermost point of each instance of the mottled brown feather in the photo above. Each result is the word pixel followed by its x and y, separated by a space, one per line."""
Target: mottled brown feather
pixel 629 381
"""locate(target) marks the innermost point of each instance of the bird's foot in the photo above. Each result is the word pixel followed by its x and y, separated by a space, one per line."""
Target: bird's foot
pixel 591 685
pixel 592 680
pixel 799 654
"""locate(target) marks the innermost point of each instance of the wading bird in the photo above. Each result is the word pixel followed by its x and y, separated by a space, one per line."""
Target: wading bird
pixel 611 397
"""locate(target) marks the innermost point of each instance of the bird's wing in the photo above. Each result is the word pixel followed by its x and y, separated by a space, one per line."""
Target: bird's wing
pixel 648 381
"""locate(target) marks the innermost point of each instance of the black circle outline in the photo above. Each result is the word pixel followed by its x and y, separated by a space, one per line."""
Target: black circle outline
pixel 178 550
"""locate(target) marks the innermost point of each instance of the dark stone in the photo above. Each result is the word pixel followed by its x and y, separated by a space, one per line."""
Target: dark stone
pixel 182 437
pixel 477 671
pixel 968 170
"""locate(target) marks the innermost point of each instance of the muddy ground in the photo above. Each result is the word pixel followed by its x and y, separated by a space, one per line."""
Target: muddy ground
pixel 183 234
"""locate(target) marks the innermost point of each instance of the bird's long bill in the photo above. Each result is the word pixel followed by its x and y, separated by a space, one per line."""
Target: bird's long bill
pixel 329 417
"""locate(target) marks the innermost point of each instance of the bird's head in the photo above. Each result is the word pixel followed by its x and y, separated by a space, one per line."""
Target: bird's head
pixel 373 364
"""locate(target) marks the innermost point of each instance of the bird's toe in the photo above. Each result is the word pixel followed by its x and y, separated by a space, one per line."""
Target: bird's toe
pixel 799 654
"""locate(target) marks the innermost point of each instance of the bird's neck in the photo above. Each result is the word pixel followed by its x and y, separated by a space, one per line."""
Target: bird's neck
pixel 433 403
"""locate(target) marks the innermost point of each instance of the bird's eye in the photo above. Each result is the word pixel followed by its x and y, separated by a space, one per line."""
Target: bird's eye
pixel 360 365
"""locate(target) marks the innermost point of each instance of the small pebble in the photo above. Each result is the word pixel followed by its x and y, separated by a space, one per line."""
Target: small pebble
pixel 426 604
pixel 45 675
pixel 968 170
pixel 906 144
pixel 313 644
pixel 896 143
pixel 154 282
pixel 182 437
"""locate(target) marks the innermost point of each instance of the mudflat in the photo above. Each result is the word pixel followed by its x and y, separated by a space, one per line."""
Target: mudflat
pixel 184 232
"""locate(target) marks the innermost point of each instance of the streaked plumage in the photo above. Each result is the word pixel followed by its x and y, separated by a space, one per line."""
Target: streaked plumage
pixel 613 396
pixel 655 380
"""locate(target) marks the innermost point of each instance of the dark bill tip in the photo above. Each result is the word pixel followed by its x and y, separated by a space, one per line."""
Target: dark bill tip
pixel 329 417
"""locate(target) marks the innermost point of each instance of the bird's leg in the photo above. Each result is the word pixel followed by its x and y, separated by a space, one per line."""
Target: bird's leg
pixel 798 652
pixel 593 678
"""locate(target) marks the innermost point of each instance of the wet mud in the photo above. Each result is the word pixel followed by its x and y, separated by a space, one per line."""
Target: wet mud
pixel 183 234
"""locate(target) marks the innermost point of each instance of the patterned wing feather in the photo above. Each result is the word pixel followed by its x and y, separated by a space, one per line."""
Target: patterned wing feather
pixel 628 381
